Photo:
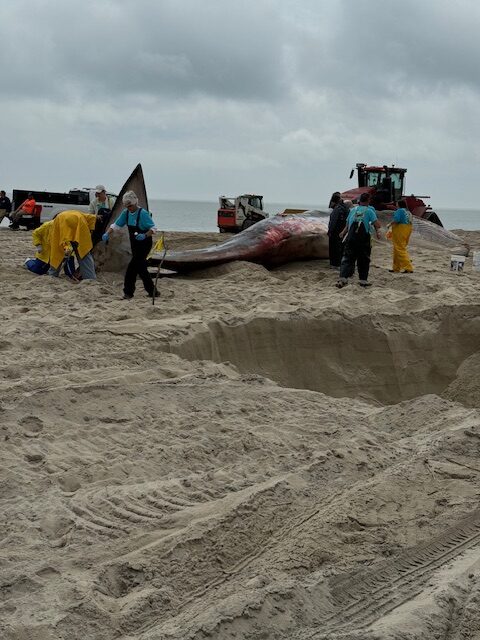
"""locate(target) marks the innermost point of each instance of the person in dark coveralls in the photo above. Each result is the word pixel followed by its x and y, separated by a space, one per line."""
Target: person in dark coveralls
pixel 336 224
pixel 358 242
pixel 140 229
pixel 5 206
pixel 334 199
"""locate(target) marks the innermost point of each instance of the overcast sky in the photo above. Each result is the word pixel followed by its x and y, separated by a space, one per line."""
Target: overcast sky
pixel 277 97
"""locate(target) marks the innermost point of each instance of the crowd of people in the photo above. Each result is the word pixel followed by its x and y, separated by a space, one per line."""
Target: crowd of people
pixel 350 233
pixel 66 242
pixel 27 207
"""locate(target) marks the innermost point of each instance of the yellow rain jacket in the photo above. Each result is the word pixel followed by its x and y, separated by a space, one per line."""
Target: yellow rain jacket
pixel 41 235
pixel 400 236
pixel 71 226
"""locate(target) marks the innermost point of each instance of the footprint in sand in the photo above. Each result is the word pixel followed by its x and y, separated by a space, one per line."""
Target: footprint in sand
pixel 55 524
pixel 69 482
pixel 32 425
pixel 47 573
pixel 34 457
pixel 118 580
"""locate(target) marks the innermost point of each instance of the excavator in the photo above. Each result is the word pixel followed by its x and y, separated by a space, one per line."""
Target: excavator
pixel 386 186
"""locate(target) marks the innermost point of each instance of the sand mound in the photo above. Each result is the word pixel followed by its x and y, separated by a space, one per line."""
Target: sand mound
pixel 466 388
pixel 259 455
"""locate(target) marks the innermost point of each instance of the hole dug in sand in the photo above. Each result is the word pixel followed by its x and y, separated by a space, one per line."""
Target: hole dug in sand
pixel 383 359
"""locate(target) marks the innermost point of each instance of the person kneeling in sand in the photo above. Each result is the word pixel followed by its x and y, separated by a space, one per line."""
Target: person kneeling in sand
pixel 71 235
pixel 358 242
pixel 401 230
pixel 41 241
pixel 140 229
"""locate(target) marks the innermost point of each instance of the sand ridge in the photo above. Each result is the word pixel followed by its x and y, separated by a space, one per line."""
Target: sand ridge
pixel 223 465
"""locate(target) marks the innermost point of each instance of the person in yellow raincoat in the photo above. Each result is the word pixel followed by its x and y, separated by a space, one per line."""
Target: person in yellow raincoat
pixel 71 234
pixel 400 232
pixel 41 241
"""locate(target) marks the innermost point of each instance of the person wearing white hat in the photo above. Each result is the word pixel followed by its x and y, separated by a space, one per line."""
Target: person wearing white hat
pixel 102 206
pixel 140 228
pixel 102 200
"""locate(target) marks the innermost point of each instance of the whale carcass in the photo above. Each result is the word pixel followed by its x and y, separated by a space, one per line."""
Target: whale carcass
pixel 285 238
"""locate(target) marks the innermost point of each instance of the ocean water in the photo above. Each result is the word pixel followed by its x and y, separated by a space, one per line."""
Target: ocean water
pixel 188 215
pixel 467 219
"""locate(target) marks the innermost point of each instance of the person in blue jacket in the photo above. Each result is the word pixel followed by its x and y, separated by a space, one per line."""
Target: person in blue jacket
pixel 141 228
pixel 358 246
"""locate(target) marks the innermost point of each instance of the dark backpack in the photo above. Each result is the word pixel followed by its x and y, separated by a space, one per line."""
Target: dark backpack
pixel 101 225
pixel 357 228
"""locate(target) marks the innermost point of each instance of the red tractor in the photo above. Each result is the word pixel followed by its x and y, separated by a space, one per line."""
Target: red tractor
pixel 385 184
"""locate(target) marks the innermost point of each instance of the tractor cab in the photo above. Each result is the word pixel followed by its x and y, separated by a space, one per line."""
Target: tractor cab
pixel 386 187
pixel 385 184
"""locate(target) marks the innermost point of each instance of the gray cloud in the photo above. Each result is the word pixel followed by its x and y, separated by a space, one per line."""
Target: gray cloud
pixel 382 49
pixel 276 96
pixel 154 48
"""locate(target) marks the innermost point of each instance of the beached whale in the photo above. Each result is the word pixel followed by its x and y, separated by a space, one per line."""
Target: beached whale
pixel 270 242
pixel 285 238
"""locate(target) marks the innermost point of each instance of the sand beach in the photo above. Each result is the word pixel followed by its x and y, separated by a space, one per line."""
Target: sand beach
pixel 258 456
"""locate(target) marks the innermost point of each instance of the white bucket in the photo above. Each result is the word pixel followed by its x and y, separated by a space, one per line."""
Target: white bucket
pixel 476 261
pixel 457 262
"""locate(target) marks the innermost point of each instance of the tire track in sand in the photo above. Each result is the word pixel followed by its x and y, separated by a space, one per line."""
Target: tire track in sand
pixel 358 600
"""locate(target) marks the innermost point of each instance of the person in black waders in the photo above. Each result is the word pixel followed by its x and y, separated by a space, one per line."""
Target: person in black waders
pixel 358 242
pixel 140 229
pixel 336 224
